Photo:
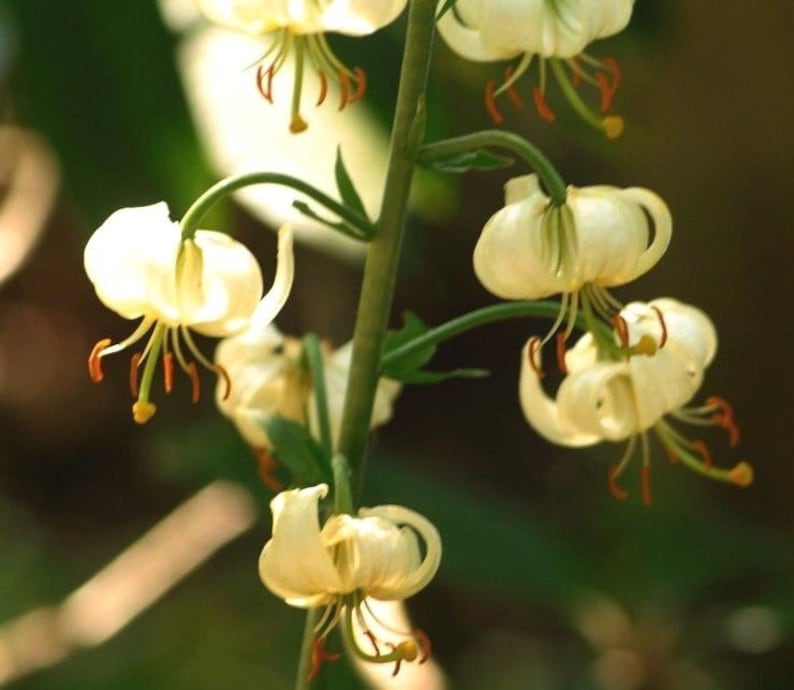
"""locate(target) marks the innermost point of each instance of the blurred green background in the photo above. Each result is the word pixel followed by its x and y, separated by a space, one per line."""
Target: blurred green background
pixel 547 583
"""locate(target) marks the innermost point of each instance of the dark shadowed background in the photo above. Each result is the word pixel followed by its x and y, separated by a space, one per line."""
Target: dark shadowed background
pixel 547 582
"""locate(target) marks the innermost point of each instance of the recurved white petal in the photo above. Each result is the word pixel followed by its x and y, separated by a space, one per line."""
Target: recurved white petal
pixel 599 401
pixel 415 574
pixel 542 412
pixel 277 295
pixel 295 564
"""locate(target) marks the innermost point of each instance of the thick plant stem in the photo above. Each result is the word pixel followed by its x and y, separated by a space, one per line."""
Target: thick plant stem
pixel 383 255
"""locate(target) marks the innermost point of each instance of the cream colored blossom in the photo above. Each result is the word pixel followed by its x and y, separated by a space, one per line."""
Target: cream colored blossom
pixel 269 378
pixel 605 241
pixel 297 26
pixel 557 31
pixel 339 565
pixel 661 352
pixel 600 237
pixel 142 268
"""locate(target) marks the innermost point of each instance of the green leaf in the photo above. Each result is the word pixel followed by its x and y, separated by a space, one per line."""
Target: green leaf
pixel 420 377
pixel 294 447
pixel 448 5
pixel 338 225
pixel 408 369
pixel 347 190
pixel 413 328
pixel 471 160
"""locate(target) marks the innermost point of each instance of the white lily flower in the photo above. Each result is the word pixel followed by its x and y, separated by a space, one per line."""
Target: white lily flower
pixel 664 348
pixel 601 237
pixel 141 267
pixel 375 554
pixel 298 26
pixel 269 378
pixel 605 241
pixel 557 31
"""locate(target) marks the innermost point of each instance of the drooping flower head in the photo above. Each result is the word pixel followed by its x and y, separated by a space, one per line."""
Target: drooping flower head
pixel 270 377
pixel 557 31
pixel 142 268
pixel 600 237
pixel 644 382
pixel 375 554
pixel 298 27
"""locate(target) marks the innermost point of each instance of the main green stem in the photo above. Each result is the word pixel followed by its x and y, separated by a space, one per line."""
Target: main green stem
pixel 383 255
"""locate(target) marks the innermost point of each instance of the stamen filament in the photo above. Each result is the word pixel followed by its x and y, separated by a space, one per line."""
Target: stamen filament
pixel 611 126
pixel 297 123
pixel 151 355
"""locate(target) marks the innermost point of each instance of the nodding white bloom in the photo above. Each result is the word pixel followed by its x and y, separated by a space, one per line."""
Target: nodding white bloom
pixel 142 267
pixel 269 377
pixel 600 237
pixel 375 554
pixel 557 31
pixel 298 26
pixel 643 381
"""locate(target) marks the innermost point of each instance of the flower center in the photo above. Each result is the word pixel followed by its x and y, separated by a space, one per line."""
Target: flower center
pixel 165 340
pixel 314 48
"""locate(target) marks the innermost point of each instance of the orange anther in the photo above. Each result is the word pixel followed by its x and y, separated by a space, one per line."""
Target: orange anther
pixel 397 666
pixel 541 106
pixel 704 453
pixel 490 104
pixel 532 350
pixel 606 91
pixel 344 87
pixel 614 489
pixel 659 314
pixel 360 77
pixel 95 360
pixel 622 328
pixel 724 418
pixel 614 69
pixel 267 466
pixel 371 637
pixel 424 644
pixel 514 96
pixel 265 90
pixel 323 88
pixel 168 371
pixel 195 381
pixel 319 655
pixel 645 479
pixel 227 382
pixel 561 353
pixel 135 362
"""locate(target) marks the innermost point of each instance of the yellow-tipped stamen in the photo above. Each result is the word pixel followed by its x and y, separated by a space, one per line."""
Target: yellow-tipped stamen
pixel 742 474
pixel 143 411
